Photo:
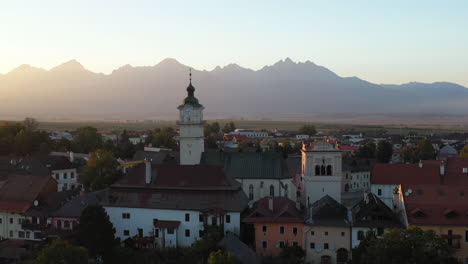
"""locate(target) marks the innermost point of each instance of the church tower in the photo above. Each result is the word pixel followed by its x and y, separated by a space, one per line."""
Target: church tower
pixel 321 171
pixel 191 140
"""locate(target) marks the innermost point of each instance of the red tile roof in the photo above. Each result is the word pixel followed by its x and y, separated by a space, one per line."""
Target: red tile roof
pixel 284 211
pixel 436 204
pixel 384 173
pixel 454 171
pixel 18 192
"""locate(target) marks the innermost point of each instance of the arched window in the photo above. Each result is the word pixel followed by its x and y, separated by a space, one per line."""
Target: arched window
pixel 59 224
pixel 317 170
pixel 251 192
pixel 329 170
pixel 66 224
pixel 286 190
pixel 322 170
pixel 272 190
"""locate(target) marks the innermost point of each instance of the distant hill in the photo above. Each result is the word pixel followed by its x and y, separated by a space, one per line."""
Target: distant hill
pixel 284 90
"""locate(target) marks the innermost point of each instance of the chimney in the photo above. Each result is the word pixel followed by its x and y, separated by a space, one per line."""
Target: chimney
pixel 270 203
pixel 442 169
pixel 420 164
pixel 147 172
pixel 72 156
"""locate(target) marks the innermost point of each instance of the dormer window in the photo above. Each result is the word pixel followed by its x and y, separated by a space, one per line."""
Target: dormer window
pixel 450 213
pixel 417 212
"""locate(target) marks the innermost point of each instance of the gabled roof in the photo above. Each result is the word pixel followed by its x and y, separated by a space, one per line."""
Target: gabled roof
pixel 373 212
pixel 386 173
pixel 436 204
pixel 51 202
pixel 75 206
pixel 328 212
pixel 249 165
pixel 284 211
pixel 454 171
pixel 55 162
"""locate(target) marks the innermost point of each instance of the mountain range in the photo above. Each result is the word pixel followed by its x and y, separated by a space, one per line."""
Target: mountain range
pixel 284 90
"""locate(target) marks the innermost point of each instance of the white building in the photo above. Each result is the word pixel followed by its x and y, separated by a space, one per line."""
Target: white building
pixel 321 171
pixel 62 170
pixel 250 133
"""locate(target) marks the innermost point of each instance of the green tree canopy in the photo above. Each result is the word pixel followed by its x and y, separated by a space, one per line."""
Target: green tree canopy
pixel 410 155
pixel 367 151
pixel 411 245
pixel 384 151
pixel 307 130
pixel 229 127
pixel 425 149
pixel 23 138
pixel 222 257
pixel 96 232
pixel 292 255
pixel 60 251
pixel 101 170
pixel 464 151
pixel 212 128
pixel 87 140
pixel 164 138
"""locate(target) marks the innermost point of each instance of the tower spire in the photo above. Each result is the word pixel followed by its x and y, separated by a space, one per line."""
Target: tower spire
pixel 190 75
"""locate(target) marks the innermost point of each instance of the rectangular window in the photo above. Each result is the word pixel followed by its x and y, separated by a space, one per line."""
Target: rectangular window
pixel 126 232
pixel 200 218
pixel 379 192
pixel 281 244
pixel 126 215
pixel 21 234
pixel 1 219
pixel 295 230
pixel 156 232
pixel 214 221
pixel 140 232
pixel 264 244
pixel 19 221
pixel 72 175
pixel 155 221
pixel 312 245
pixel 264 229
pixel 57 176
pixel 65 176
pixel 312 233
pixel 228 219
pixel 187 232
pixel 281 230
pixel 187 217
pixel 170 230
pixel 28 234
pixel 326 233
pixel 342 233
pixel 466 234
pixel 11 220
pixel 11 233
pixel 325 246
pixel 295 244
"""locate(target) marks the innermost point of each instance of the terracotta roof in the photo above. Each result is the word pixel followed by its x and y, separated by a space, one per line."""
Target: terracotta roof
pixel 284 210
pixel 436 204
pixel 373 212
pixel 18 192
pixel 167 224
pixel 454 171
pixel 198 177
pixel 399 173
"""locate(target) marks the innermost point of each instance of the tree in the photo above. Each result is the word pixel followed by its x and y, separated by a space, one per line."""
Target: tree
pixel 464 151
pixel 60 251
pixel 213 128
pixel 367 151
pixel 412 245
pixel 425 149
pixel 384 151
pixel 164 138
pixel 292 255
pixel 30 124
pixel 409 155
pixel 96 232
pixel 101 170
pixel 87 140
pixel 222 257
pixel 211 143
pixel 229 127
pixel 201 249
pixel 307 130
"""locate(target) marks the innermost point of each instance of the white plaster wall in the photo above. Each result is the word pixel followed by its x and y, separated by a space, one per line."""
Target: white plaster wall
pixel 260 192
pixel 387 193
pixel 143 218
pixel 58 175
pixel 6 227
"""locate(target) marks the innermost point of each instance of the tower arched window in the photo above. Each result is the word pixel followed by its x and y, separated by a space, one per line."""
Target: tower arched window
pixel 251 192
pixel 322 170
pixel 317 170
pixel 329 170
pixel 272 190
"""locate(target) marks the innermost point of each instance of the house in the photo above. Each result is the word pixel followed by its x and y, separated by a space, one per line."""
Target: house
pixel 18 194
pixel 277 222
pixel 260 174
pixel 62 170
pixel 356 174
pixel 327 233
pixel 441 209
pixel 387 178
pixel 372 216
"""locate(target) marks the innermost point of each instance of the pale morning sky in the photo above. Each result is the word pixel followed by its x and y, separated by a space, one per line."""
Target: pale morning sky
pixel 380 41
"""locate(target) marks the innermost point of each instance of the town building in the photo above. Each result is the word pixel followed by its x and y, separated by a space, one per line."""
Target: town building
pixel 278 222
pixel 62 170
pixel 356 175
pixel 260 174
pixel 327 233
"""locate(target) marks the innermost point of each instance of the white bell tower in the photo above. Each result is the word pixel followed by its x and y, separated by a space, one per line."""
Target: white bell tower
pixel 191 140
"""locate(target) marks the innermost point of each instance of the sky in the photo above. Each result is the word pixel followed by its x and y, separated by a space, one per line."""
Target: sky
pixel 393 41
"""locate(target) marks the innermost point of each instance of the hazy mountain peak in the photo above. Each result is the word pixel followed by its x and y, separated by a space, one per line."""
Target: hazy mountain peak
pixel 169 62
pixel 69 66
pixel 25 68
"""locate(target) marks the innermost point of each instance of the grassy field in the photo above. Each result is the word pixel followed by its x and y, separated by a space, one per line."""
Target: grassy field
pixel 111 126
